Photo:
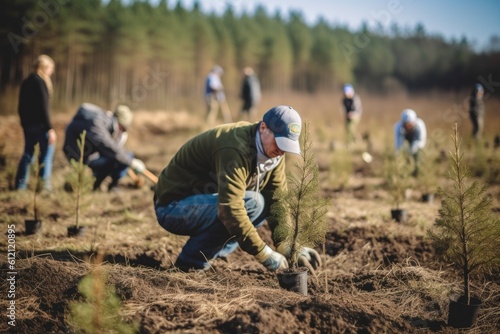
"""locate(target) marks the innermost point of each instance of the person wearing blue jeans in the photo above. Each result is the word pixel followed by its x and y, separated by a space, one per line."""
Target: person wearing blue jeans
pixel 104 166
pixel 197 217
pixel 33 110
pixel 46 156
pixel 218 188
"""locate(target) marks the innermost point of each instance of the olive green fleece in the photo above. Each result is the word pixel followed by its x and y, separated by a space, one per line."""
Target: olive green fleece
pixel 222 160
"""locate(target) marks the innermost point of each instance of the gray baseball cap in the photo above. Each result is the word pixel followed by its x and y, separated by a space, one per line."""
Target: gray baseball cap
pixel 286 124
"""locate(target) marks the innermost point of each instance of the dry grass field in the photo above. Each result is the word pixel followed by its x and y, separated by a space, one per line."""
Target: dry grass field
pixel 378 276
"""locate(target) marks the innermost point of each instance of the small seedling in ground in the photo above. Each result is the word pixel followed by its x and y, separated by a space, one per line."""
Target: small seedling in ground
pixel 397 173
pixel 99 311
pixel 427 178
pixel 300 211
pixel 79 181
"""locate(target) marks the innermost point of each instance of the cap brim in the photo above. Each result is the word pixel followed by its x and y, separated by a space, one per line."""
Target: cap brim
pixel 287 145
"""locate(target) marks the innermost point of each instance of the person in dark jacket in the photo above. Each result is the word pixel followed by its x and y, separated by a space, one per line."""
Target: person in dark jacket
pixel 33 110
pixel 250 93
pixel 476 110
pixel 104 151
pixel 218 188
pixel 353 110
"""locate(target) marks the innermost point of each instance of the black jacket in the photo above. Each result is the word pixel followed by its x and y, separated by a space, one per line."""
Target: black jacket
pixel 34 103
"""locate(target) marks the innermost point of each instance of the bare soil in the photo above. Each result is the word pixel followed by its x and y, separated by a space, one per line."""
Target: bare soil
pixel 378 276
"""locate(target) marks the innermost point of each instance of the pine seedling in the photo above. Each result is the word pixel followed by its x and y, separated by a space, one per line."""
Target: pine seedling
pixel 80 182
pixel 341 168
pixel 300 211
pixel 466 232
pixel 397 173
pixel 427 178
pixel 99 312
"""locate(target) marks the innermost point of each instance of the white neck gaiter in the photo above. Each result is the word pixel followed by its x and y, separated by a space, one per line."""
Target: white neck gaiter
pixel 264 163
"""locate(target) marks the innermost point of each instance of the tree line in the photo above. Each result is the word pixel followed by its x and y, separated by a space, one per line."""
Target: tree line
pixel 156 55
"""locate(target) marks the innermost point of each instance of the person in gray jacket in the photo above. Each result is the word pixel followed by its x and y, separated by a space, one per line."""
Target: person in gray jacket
pixel 410 129
pixel 104 151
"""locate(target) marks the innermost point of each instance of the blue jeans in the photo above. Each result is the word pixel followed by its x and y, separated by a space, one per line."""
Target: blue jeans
pixel 104 166
pixel 32 136
pixel 197 217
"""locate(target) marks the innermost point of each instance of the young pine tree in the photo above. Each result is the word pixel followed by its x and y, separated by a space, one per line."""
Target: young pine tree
pixel 397 173
pixel 99 312
pixel 79 181
pixel 466 233
pixel 299 210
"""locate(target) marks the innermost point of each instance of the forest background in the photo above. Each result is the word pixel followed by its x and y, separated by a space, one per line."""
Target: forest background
pixel 155 55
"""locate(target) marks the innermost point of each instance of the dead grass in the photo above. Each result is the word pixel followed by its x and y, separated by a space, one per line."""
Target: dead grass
pixel 377 275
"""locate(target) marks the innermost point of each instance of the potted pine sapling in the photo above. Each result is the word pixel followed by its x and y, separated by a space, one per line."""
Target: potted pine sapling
pixel 33 226
pixel 81 183
pixel 466 234
pixel 300 213
pixel 397 173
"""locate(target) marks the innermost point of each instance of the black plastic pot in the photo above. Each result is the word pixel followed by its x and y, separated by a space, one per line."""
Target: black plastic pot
pixel 399 215
pixel 294 280
pixel 461 315
pixel 32 226
pixel 428 197
pixel 74 231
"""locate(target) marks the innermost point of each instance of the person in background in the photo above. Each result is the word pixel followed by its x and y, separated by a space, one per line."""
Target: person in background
pixel 410 129
pixel 215 97
pixel 219 187
pixel 104 151
pixel 353 109
pixel 250 93
pixel 33 109
pixel 476 110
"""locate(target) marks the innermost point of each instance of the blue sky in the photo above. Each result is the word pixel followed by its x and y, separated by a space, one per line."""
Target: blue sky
pixel 477 20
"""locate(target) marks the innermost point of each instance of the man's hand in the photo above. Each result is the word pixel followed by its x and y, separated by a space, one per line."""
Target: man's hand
pixel 271 260
pixel 137 165
pixel 307 257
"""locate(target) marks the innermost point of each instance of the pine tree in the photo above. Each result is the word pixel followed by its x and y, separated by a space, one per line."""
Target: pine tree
pixel 99 312
pixel 78 180
pixel 466 234
pixel 300 210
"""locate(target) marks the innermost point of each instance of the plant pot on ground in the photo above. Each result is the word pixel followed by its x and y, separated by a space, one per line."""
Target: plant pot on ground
pixel 427 197
pixel 466 234
pixel 34 226
pixel 294 280
pixel 76 231
pixel 399 215
pixel 462 314
pixel 299 213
